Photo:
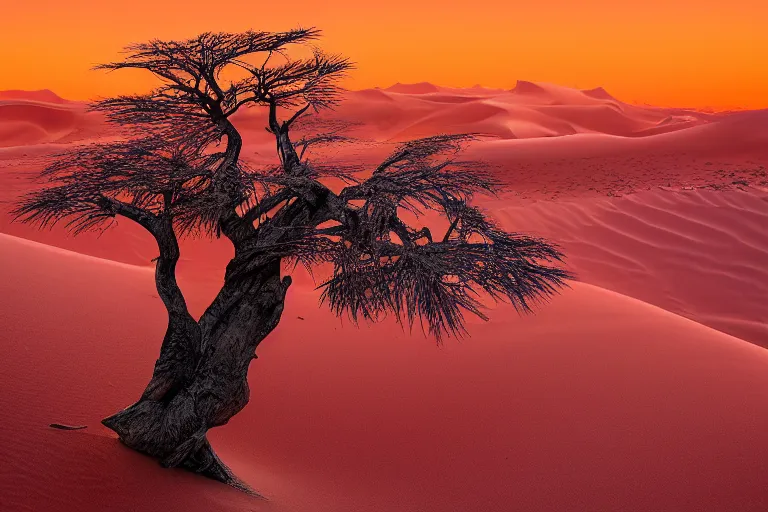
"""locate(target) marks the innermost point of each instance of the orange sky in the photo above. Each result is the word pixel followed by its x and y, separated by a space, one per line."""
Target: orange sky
pixel 699 53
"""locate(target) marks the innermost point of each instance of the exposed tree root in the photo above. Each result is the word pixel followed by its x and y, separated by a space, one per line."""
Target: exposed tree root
pixel 144 428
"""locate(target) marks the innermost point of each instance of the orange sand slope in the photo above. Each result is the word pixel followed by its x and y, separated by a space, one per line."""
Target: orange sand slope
pixel 598 402
pixel 39 117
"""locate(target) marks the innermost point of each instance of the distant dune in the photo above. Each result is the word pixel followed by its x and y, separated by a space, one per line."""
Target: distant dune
pixel 598 93
pixel 29 118
pixel 42 96
pixel 529 110
pixel 419 88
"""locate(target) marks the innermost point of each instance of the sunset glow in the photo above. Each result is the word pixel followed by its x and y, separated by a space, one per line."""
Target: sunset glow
pixel 706 53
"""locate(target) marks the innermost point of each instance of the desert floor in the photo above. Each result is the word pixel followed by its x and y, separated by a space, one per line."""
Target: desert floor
pixel 644 386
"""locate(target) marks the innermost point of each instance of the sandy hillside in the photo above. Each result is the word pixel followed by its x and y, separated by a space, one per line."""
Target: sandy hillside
pixel 631 192
pixel 700 253
pixel 641 388
pixel 599 402
pixel 29 118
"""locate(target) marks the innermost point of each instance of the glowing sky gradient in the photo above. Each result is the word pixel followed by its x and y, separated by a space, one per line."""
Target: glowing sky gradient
pixel 698 53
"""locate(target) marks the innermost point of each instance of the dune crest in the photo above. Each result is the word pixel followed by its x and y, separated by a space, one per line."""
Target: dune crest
pixel 599 93
pixel 42 96
pixel 417 88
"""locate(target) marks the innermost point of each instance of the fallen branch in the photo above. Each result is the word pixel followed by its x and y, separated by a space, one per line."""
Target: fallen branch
pixel 67 427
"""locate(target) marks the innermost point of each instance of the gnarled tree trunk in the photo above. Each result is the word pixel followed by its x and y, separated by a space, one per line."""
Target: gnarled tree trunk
pixel 200 378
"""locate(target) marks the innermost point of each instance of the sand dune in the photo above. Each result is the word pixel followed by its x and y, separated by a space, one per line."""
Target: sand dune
pixel 530 110
pixel 702 254
pixel 731 150
pixel 555 110
pixel 43 96
pixel 38 117
pixel 419 88
pixel 598 93
pixel 598 402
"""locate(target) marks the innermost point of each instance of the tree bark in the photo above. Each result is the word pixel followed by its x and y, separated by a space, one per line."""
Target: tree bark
pixel 183 402
pixel 200 378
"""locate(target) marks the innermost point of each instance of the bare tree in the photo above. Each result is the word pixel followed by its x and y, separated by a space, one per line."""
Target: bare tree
pixel 169 176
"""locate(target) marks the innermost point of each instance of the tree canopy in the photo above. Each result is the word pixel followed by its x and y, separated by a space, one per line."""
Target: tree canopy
pixel 172 174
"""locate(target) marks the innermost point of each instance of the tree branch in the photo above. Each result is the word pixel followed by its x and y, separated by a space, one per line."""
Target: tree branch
pixel 296 115
pixel 267 204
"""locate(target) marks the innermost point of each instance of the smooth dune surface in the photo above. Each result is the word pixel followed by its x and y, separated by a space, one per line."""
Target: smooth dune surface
pixel 41 117
pixel 701 253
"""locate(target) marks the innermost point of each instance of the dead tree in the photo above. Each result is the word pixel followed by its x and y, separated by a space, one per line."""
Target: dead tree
pixel 173 175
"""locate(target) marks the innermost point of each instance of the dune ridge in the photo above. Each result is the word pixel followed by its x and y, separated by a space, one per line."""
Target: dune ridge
pixel 529 110
pixel 405 110
pixel 42 95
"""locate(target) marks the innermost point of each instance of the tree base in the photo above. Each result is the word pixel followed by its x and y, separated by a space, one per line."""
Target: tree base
pixel 194 454
pixel 205 462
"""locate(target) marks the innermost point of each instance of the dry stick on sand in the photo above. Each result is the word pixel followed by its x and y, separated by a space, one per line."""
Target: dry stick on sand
pixel 67 427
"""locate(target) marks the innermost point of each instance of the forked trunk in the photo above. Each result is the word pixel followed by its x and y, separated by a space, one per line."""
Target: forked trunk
pixel 191 393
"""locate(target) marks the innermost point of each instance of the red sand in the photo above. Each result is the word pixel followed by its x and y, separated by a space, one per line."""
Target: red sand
pixel 598 402
pixel 40 117
pixel 529 110
pixel 702 254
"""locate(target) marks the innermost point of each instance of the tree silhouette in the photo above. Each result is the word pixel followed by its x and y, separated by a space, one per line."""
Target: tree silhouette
pixel 169 176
